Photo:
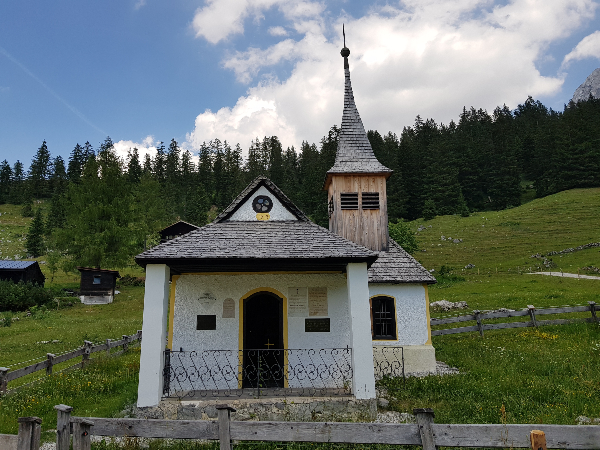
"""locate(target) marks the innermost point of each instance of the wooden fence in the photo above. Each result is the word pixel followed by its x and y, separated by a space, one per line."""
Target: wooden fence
pixel 479 317
pixel 51 360
pixel 424 433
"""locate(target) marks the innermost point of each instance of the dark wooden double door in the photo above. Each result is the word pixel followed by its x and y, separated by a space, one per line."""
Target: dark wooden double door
pixel 263 352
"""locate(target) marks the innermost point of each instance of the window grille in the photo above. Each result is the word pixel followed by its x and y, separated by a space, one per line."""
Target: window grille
pixel 349 200
pixel 331 206
pixel 370 200
pixel 383 316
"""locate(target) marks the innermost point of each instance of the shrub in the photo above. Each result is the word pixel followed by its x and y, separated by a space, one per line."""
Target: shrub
pixel 22 296
pixel 400 232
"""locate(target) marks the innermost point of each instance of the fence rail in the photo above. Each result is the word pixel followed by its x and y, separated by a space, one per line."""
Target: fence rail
pixel 51 360
pixel 531 312
pixel 424 433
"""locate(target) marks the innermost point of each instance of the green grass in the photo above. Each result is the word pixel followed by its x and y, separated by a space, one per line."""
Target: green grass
pixel 102 389
pixel 543 375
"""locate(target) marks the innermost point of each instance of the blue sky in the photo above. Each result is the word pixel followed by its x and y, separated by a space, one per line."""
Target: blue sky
pixel 144 71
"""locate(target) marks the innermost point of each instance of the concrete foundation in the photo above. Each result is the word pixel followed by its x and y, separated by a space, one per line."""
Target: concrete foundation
pixel 96 299
pixel 298 409
pixel 417 358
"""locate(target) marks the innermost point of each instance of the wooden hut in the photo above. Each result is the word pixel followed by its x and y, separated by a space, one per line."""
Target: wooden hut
pixel 26 271
pixel 175 230
pixel 97 286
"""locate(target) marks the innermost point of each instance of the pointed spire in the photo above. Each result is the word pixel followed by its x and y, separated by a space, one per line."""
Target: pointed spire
pixel 354 153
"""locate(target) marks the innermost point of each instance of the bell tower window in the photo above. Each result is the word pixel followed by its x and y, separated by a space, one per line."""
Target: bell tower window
pixel 370 200
pixel 349 200
pixel 330 206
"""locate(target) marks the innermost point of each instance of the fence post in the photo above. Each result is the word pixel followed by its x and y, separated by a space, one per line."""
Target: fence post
pixel 81 434
pixel 3 382
pixel 224 412
pixel 108 347
pixel 50 357
pixel 87 349
pixel 538 440
pixel 125 343
pixel 532 315
pixel 63 426
pixel 424 421
pixel 477 314
pixel 30 430
pixel 592 309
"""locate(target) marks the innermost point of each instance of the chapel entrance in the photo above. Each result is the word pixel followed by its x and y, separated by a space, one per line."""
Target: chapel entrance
pixel 263 353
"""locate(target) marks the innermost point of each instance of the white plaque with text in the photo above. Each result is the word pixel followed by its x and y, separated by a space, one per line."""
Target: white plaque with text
pixel 297 302
pixel 317 301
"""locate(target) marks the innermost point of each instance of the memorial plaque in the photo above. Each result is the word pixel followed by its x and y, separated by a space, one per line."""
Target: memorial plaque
pixel 297 302
pixel 317 301
pixel 228 308
pixel 206 322
pixel 316 325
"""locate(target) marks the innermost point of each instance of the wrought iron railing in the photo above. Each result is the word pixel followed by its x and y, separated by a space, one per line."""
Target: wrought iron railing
pixel 256 373
pixel 388 361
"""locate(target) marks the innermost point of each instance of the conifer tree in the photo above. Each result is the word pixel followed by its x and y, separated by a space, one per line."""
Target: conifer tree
pixel 17 190
pixel 5 181
pixel 58 178
pixel 76 162
pixel 39 172
pixel 35 235
pixel 134 168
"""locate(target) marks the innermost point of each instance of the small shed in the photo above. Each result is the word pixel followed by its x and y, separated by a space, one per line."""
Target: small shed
pixel 97 286
pixel 26 271
pixel 175 230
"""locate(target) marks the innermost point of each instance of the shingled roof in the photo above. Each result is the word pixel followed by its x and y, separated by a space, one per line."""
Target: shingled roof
pixel 231 245
pixel 354 152
pixel 397 266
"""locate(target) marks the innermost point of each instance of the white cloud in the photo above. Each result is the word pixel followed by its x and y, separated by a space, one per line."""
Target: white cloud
pixel 139 4
pixel 219 19
pixel 277 31
pixel 427 57
pixel 147 145
pixel 588 47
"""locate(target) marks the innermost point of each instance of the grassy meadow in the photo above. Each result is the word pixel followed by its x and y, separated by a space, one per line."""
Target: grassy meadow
pixel 545 375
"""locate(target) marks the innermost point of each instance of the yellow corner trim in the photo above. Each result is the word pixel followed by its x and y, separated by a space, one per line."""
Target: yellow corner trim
pixel 428 316
pixel 172 310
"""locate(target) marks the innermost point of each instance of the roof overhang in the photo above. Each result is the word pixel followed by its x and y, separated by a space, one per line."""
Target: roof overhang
pixel 330 175
pixel 255 265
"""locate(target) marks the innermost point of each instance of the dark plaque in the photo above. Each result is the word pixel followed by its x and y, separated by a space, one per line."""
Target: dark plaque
pixel 206 322
pixel 316 325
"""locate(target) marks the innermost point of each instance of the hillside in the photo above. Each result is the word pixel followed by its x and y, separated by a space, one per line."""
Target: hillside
pixel 500 245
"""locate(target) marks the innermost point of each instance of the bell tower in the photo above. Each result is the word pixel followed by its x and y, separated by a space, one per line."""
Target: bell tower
pixel 356 184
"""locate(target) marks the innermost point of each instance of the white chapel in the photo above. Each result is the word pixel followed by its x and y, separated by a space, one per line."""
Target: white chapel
pixel 262 298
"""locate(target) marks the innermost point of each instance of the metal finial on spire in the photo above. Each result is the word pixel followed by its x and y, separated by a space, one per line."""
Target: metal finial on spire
pixel 345 51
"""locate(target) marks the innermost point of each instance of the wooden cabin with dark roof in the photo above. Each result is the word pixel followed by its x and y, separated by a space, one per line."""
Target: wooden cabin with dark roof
pixel 175 230
pixel 264 302
pixel 25 271
pixel 97 286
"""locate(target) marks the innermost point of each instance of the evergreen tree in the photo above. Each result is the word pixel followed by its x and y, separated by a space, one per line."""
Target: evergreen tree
pixel 158 167
pixel 17 190
pixel 147 169
pixel 39 172
pixel 35 235
pixel 57 216
pixel 134 168
pixel 5 181
pixel 87 153
pixel 429 211
pixel 275 160
pixel 58 178
pixel 76 162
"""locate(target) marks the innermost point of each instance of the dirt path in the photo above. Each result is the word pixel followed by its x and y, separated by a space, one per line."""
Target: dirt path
pixel 567 275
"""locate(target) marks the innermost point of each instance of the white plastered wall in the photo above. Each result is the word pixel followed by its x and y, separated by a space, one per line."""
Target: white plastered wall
pixel 412 324
pixel 247 213
pixel 198 294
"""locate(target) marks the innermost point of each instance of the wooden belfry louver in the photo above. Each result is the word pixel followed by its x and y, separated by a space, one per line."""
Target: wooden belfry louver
pixel 356 182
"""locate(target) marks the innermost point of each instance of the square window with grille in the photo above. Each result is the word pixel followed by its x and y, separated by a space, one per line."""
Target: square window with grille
pixel 370 200
pixel 383 318
pixel 349 200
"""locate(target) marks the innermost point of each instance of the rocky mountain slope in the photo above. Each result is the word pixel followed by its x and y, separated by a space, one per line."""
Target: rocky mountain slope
pixel 590 86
